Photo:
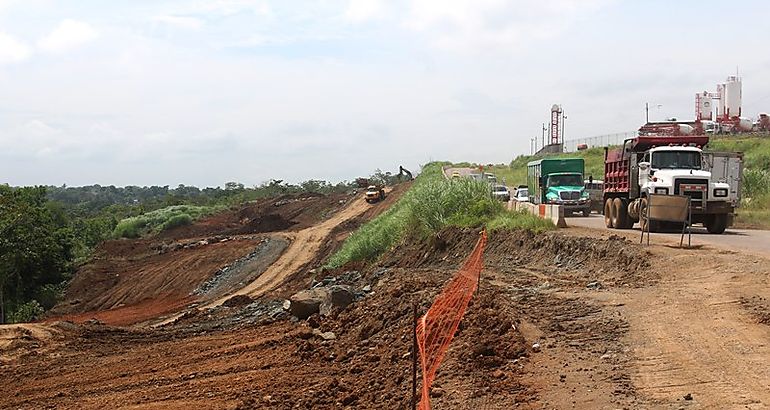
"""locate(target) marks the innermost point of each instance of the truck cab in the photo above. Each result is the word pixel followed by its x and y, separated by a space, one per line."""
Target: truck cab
pixel 679 171
pixel 559 181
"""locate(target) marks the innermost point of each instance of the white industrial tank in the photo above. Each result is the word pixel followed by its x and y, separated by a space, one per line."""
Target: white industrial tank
pixel 685 129
pixel 745 124
pixel 732 96
pixel 704 106
pixel 721 106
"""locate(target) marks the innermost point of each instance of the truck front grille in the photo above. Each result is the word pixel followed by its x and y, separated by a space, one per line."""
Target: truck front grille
pixel 569 195
pixel 694 188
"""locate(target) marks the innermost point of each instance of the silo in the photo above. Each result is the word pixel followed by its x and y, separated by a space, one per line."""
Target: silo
pixel 721 106
pixel 732 96
pixel 704 106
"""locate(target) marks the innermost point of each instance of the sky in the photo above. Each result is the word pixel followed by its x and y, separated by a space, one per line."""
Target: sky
pixel 167 92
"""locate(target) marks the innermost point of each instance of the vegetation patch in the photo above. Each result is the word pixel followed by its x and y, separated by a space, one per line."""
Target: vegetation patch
pixel 432 204
pixel 161 220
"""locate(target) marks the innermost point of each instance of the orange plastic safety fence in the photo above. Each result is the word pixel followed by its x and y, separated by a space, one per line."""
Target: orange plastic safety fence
pixel 437 327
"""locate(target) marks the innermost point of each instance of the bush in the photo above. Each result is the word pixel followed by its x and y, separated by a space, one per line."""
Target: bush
pixel 176 221
pixel 26 312
pixel 161 219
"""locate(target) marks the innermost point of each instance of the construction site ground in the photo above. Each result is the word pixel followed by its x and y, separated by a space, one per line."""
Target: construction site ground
pixel 577 318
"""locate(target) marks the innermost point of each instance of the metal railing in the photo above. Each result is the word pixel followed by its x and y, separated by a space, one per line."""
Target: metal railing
pixel 598 141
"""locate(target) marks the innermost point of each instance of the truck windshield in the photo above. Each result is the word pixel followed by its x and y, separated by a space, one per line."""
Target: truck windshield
pixel 676 160
pixel 565 180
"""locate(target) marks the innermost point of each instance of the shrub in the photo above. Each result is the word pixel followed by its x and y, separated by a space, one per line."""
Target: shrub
pixel 26 312
pixel 176 221
pixel 161 219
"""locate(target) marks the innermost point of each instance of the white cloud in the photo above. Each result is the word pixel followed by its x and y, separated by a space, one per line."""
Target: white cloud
pixel 233 7
pixel 359 11
pixel 12 50
pixel 68 35
pixel 188 23
pixel 465 25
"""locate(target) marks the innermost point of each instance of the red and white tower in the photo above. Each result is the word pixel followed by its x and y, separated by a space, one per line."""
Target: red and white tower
pixel 556 124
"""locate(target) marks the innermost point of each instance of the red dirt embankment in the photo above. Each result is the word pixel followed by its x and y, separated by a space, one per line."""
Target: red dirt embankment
pixel 212 360
pixel 130 281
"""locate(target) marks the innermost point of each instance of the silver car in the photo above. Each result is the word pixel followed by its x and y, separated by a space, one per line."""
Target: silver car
pixel 501 192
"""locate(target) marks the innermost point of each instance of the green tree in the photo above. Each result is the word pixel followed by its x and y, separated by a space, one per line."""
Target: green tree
pixel 35 247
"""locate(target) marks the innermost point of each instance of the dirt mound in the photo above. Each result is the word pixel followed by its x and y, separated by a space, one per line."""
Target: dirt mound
pixel 611 262
pixel 759 307
pixel 286 212
pixel 126 285
pixel 238 301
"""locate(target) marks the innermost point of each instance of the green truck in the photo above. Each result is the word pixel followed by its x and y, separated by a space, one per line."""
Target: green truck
pixel 558 181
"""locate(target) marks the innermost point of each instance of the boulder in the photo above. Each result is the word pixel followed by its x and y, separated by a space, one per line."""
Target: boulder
pixel 306 302
pixel 339 296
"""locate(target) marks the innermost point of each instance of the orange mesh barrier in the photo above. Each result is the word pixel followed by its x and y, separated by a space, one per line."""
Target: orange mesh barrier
pixel 437 327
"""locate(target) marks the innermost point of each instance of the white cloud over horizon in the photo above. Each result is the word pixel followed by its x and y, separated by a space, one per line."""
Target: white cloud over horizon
pixel 68 35
pixel 206 92
pixel 13 50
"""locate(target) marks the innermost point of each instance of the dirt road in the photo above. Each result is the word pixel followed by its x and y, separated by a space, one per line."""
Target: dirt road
pixel 302 249
pixel 696 332
pixel 751 240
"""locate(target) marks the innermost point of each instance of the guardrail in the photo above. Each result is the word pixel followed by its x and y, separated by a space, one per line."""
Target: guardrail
pixel 555 213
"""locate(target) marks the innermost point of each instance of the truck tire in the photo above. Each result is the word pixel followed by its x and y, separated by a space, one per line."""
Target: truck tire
pixel 624 220
pixel 716 223
pixel 619 214
pixel 608 213
pixel 586 212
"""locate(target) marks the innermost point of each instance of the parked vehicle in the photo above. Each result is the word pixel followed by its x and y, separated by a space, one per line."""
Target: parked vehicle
pixel 501 192
pixel 456 175
pixel 595 189
pixel 522 195
pixel 671 165
pixel 491 178
pixel 558 181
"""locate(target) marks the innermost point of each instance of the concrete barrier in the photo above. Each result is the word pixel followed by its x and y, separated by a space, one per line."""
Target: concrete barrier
pixel 553 212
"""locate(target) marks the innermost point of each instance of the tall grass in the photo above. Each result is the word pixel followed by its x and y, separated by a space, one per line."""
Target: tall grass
pixel 432 204
pixel 161 220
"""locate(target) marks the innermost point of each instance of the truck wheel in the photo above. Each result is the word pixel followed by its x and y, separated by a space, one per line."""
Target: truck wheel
pixel 619 214
pixel 716 224
pixel 608 213
pixel 586 212
pixel 628 221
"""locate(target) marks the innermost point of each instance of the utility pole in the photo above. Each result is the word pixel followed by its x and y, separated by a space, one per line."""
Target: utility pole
pixel 544 130
pixel 647 113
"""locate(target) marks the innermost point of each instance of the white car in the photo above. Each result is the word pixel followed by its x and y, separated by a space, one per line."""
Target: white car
pixel 522 195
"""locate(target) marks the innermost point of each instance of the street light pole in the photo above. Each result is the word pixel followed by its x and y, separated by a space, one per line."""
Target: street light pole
pixel 647 113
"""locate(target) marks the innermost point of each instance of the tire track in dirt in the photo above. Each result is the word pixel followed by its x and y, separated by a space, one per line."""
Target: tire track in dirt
pixel 691 335
pixel 302 249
